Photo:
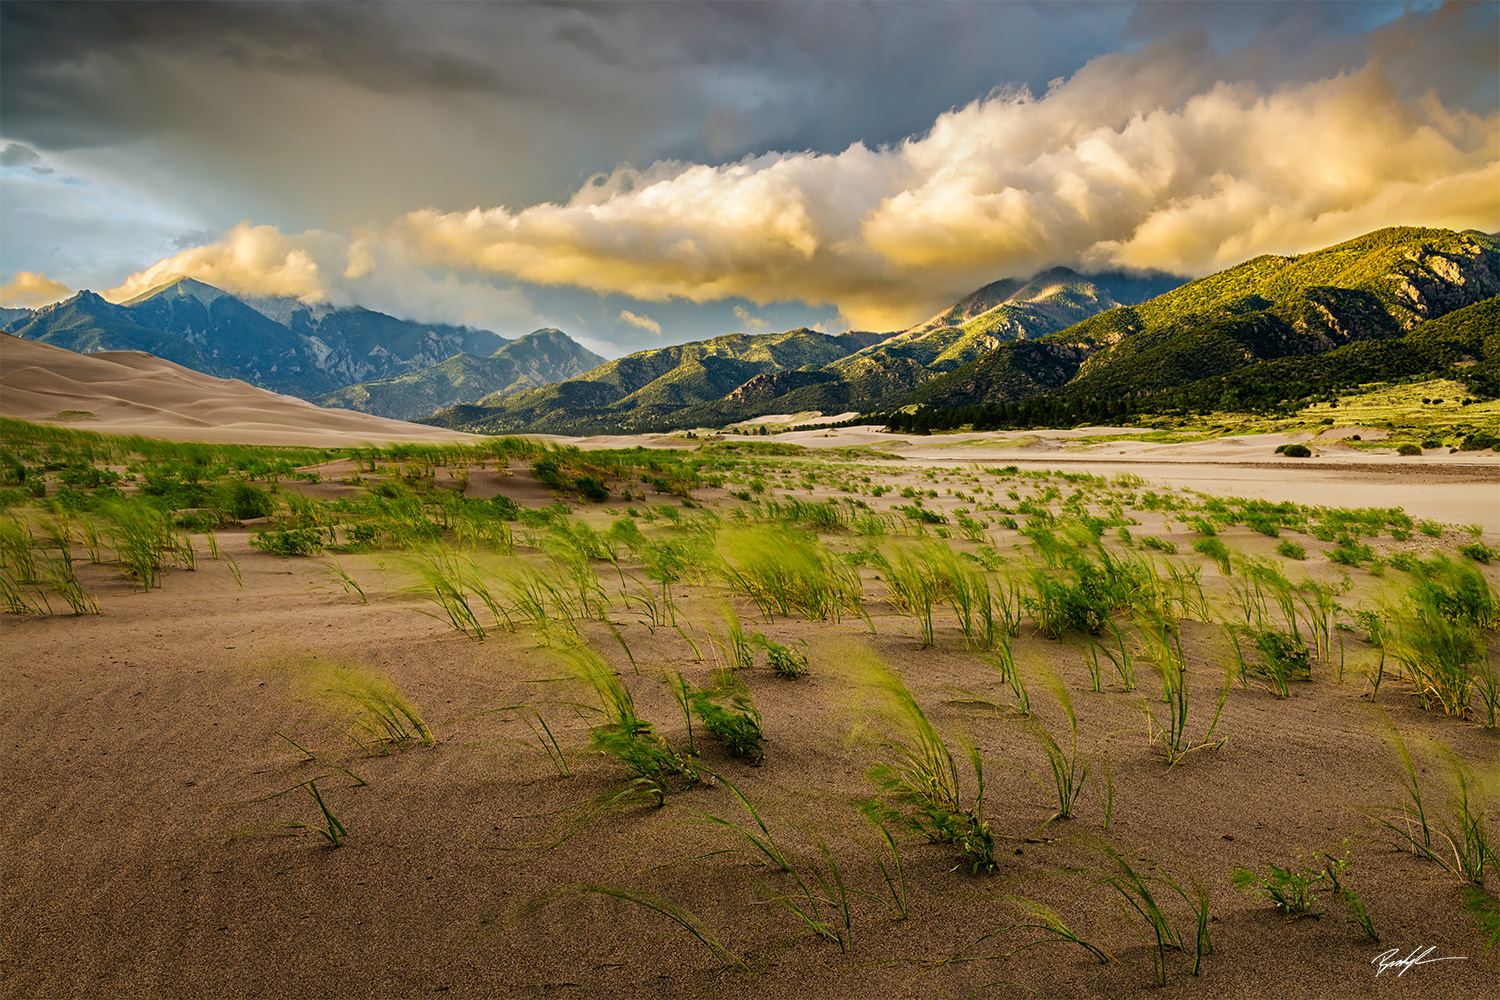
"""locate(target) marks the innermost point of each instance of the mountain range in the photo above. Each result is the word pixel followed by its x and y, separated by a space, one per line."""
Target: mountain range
pixel 1380 286
pixel 539 358
pixel 1058 343
pixel 746 375
pixel 300 349
pixel 1067 343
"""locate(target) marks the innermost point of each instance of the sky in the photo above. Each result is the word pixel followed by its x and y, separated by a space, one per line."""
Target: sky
pixel 641 174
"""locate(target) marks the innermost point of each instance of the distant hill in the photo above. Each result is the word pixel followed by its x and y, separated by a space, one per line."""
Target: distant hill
pixel 648 387
pixel 278 344
pixel 746 375
pixel 970 329
pixel 1376 287
pixel 539 358
pixel 9 316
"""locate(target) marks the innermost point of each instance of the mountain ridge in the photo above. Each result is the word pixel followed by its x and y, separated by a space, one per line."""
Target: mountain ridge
pixel 317 349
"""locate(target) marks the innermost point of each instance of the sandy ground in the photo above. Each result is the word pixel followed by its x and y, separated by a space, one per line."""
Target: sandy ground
pixel 147 852
pixel 151 767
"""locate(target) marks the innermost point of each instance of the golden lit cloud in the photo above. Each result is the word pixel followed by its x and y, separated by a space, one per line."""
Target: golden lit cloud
pixel 1137 161
pixel 31 289
pixel 752 323
pixel 249 260
pixel 644 322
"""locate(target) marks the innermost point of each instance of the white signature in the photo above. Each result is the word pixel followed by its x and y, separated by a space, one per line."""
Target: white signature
pixel 1388 960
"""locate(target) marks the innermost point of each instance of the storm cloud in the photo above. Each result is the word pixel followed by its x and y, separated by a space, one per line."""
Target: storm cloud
pixel 875 159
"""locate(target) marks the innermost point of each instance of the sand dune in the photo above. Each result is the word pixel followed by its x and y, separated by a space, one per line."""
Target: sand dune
pixel 130 392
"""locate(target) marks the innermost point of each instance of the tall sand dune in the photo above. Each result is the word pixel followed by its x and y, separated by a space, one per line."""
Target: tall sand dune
pixel 131 392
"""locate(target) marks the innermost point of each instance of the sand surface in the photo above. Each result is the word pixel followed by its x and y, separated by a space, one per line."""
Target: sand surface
pixel 154 758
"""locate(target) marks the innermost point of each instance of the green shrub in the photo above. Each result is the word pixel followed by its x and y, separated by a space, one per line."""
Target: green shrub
pixel 288 543
pixel 247 502
pixel 1478 441
pixel 1351 553
pixel 1296 451
pixel 1265 526
pixel 1408 449
pixel 1152 542
pixel 1291 550
pixel 548 472
pixel 592 488
pixel 1479 552
pixel 505 508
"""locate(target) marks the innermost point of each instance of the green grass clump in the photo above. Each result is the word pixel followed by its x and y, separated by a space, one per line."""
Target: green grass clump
pixel 1291 550
pixel 624 735
pixel 1139 892
pixel 1216 550
pixel 1454 831
pixel 1162 649
pixel 1070 769
pixel 1437 633
pixel 728 714
pixel 787 572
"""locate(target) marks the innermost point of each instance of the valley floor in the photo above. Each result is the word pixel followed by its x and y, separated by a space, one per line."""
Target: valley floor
pixel 160 838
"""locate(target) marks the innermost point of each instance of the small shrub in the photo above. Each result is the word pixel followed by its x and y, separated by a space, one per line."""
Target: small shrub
pixel 1152 542
pixel 1479 552
pixel 787 662
pixel 1291 550
pixel 247 502
pixel 1351 553
pixel 1297 451
pixel 1406 448
pixel 737 724
pixel 548 472
pixel 288 543
pixel 1292 889
pixel 592 488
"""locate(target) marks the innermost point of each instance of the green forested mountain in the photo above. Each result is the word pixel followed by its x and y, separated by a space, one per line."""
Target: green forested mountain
pixel 970 329
pixel 649 387
pixel 745 375
pixel 1374 288
pixel 536 359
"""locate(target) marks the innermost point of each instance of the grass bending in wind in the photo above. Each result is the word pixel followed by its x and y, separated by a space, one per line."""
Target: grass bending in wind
pixel 918 783
pixel 788 572
pixel 362 699
pixel 626 736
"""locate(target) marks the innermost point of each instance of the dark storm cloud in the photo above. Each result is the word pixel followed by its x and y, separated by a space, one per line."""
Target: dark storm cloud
pixel 537 96
pixel 16 155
